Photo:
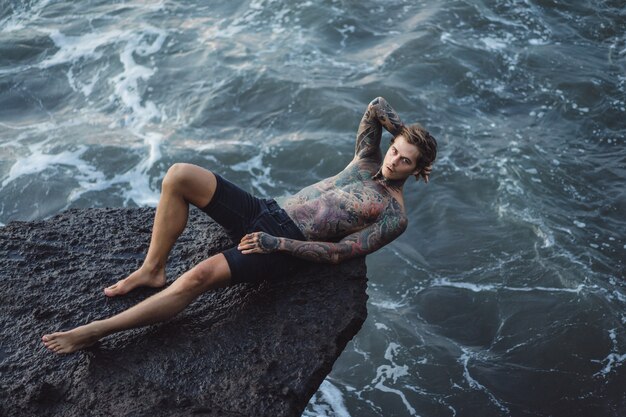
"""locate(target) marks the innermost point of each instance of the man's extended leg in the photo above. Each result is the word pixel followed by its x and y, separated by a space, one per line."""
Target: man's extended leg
pixel 209 274
pixel 183 184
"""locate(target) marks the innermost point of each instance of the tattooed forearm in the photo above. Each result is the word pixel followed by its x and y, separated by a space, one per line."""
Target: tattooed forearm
pixel 379 114
pixel 360 243
pixel 323 252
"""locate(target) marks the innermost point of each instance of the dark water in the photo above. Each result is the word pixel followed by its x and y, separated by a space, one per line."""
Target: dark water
pixel 506 295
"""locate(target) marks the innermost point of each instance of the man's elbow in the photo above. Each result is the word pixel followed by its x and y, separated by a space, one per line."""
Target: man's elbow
pixel 342 256
pixel 336 258
pixel 377 101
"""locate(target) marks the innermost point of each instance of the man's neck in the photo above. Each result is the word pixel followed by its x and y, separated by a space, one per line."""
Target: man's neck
pixel 394 185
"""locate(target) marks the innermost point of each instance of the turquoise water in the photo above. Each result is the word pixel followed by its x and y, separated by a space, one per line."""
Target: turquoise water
pixel 505 296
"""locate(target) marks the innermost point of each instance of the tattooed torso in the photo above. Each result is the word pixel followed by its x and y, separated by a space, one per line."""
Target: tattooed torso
pixel 357 211
pixel 343 204
pixel 354 213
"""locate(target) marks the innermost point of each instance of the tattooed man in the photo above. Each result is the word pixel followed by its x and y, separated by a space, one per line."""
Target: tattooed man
pixel 351 214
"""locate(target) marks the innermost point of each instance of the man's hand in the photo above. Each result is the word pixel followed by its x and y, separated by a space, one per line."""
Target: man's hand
pixel 258 242
pixel 424 173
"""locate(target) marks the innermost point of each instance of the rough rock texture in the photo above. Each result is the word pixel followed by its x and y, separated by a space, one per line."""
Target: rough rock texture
pixel 241 351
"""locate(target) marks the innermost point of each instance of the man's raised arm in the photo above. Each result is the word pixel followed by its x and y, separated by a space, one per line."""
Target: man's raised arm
pixel 360 243
pixel 379 114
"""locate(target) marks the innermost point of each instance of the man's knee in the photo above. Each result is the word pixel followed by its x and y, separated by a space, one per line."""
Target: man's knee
pixel 177 175
pixel 209 274
pixel 195 184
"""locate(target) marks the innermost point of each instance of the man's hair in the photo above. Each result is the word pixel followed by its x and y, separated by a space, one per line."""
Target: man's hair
pixel 416 135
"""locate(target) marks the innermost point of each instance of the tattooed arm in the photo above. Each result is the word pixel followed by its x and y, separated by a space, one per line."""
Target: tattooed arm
pixel 379 114
pixel 360 243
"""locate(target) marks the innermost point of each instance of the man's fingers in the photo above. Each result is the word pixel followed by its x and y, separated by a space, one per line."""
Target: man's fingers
pixel 251 243
pixel 426 173
pixel 249 250
pixel 246 245
pixel 250 237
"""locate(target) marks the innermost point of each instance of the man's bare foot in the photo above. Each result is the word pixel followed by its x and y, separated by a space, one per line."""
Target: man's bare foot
pixel 73 340
pixel 143 277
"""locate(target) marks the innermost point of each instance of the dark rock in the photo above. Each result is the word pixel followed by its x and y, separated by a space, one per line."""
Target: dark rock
pixel 246 350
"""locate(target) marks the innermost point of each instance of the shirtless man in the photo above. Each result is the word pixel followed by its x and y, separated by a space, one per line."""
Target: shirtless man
pixel 352 214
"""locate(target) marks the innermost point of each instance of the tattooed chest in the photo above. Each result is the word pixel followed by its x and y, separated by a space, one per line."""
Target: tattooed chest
pixel 328 212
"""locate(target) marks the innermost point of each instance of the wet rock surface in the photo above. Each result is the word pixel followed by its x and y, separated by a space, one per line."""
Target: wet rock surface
pixel 246 350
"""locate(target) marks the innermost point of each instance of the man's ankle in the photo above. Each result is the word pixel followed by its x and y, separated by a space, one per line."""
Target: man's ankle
pixel 153 268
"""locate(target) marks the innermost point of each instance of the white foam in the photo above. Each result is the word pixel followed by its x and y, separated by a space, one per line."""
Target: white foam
pixel 20 18
pixel 334 398
pixel 136 112
pixel 12 24
pixel 87 87
pixel 392 372
pixel 446 37
pixel 74 48
pixel 141 191
pixel 613 359
pixel 142 41
pixel 474 384
pixel 89 177
pixel 260 172
pixel 404 258
pixel 220 144
pixel 544 234
pixel 389 305
pixel 327 402
pixel 38 161
pixel 443 282
pixel 579 224
pixel 126 84
pixel 519 345
pixel 382 387
pixel 537 224
pixel 494 44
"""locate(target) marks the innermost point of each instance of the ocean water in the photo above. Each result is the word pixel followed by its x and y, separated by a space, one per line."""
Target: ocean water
pixel 506 295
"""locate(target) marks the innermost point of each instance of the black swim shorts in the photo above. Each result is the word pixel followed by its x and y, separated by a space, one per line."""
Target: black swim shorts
pixel 240 213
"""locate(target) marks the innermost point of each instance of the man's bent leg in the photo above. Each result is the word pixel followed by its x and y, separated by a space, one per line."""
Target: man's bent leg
pixel 209 274
pixel 183 184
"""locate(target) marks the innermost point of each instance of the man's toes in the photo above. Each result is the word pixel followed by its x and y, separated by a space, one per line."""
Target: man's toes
pixel 49 337
pixel 112 290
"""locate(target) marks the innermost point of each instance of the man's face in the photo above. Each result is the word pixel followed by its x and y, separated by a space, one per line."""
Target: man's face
pixel 400 160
